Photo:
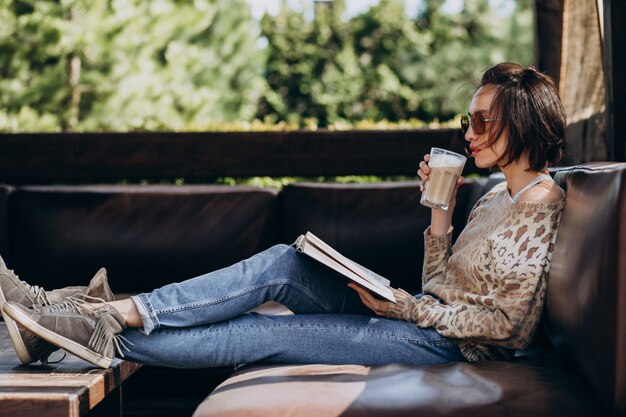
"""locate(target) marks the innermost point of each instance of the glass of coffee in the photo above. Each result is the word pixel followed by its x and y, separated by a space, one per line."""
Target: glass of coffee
pixel 445 169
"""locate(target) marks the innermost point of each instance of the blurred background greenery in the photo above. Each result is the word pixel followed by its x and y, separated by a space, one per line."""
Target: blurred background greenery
pixel 127 65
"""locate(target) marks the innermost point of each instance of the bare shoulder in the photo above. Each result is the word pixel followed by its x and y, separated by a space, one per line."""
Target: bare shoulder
pixel 545 192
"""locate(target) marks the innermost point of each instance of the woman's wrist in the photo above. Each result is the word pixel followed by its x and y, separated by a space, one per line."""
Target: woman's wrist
pixel 440 222
pixel 402 308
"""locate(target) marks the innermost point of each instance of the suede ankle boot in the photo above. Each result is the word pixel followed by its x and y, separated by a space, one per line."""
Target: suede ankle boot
pixel 89 331
pixel 28 347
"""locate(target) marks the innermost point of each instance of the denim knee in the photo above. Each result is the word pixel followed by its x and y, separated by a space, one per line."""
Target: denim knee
pixel 280 251
pixel 281 247
pixel 286 262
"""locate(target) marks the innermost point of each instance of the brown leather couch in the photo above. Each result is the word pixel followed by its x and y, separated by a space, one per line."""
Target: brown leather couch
pixel 578 369
pixel 148 236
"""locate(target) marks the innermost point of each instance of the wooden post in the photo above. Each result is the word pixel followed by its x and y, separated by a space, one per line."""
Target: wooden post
pixel 615 77
pixel 548 34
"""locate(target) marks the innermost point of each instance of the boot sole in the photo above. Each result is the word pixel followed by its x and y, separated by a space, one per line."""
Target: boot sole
pixel 58 340
pixel 14 334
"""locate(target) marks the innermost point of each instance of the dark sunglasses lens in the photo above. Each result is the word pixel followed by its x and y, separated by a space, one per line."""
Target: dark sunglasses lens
pixel 478 123
pixel 465 122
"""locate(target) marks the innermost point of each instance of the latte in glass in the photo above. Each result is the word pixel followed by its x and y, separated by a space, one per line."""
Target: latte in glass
pixel 445 168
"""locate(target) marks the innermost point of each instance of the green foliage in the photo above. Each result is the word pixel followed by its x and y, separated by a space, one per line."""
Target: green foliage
pixel 177 64
pixel 127 64
pixel 120 65
pixel 381 65
pixel 36 46
pixel 280 182
pixel 331 71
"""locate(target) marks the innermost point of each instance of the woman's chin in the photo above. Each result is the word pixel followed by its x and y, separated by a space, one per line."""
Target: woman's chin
pixel 484 161
pixel 480 164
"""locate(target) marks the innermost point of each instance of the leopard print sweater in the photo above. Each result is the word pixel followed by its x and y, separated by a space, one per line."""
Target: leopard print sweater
pixel 488 290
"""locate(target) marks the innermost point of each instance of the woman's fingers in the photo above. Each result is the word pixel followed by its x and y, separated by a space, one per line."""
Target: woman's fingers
pixel 377 306
pixel 424 170
pixel 361 294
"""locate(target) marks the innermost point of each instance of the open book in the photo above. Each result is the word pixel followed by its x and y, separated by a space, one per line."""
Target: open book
pixel 314 247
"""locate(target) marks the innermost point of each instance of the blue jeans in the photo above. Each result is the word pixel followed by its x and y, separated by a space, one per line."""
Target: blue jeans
pixel 202 322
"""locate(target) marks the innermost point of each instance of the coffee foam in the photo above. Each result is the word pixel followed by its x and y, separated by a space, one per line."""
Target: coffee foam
pixel 443 160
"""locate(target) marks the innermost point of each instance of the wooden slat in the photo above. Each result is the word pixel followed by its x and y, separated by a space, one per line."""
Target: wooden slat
pixel 24 403
pixel 615 70
pixel 548 34
pixel 71 387
pixel 45 158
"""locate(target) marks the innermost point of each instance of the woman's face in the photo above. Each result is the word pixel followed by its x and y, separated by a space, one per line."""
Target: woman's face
pixel 484 156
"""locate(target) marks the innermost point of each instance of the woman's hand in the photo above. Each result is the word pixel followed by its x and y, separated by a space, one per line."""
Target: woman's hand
pixel 379 307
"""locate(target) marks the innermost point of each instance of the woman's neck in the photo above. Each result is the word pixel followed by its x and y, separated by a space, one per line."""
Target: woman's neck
pixel 517 177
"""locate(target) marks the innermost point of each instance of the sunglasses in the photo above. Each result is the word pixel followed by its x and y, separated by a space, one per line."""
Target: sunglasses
pixel 476 120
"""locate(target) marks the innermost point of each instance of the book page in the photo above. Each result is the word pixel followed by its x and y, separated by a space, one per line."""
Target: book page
pixel 304 245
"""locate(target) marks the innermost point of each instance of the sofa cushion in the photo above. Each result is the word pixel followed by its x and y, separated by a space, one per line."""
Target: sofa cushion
pixel 146 236
pixel 527 386
pixel 586 296
pixel 378 225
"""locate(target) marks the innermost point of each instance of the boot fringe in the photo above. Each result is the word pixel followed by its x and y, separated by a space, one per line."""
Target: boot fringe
pixel 103 336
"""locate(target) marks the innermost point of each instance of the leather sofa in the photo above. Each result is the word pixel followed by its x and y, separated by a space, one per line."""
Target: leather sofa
pixel 148 236
pixel 577 368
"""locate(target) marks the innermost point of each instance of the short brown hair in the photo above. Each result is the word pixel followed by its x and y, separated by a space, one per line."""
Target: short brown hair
pixel 528 108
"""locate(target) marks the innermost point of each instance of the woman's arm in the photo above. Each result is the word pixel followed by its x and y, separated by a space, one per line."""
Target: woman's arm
pixel 437 237
pixel 437 246
pixel 509 323
pixel 505 314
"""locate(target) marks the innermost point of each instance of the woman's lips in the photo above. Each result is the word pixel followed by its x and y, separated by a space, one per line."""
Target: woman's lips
pixel 474 149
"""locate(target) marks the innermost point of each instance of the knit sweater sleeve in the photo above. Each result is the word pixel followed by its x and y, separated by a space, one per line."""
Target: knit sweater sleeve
pixel 507 314
pixel 436 255
pixel 437 249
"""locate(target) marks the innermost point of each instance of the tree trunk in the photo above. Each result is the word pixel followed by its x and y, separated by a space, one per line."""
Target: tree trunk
pixel 73 83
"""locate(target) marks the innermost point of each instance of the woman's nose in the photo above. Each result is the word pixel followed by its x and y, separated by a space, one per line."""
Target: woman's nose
pixel 470 135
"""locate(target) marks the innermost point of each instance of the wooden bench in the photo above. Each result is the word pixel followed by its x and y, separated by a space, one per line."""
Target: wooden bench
pixel 69 388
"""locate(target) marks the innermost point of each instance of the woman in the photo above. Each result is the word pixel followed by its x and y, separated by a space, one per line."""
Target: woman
pixel 482 298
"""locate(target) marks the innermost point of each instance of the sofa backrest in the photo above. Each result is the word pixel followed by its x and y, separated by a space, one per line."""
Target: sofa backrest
pixel 379 225
pixel 4 220
pixel 586 297
pixel 146 236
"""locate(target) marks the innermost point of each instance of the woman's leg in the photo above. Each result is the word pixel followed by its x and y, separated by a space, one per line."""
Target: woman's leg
pixel 279 274
pixel 307 338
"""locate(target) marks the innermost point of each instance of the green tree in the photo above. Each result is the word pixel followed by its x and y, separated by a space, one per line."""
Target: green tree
pixel 173 64
pixel 389 45
pixel 382 65
pixel 463 45
pixel 312 71
pixel 179 64
pixel 330 70
pixel 127 64
pixel 45 65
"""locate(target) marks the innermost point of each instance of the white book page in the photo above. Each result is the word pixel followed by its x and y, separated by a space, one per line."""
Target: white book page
pixel 323 258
